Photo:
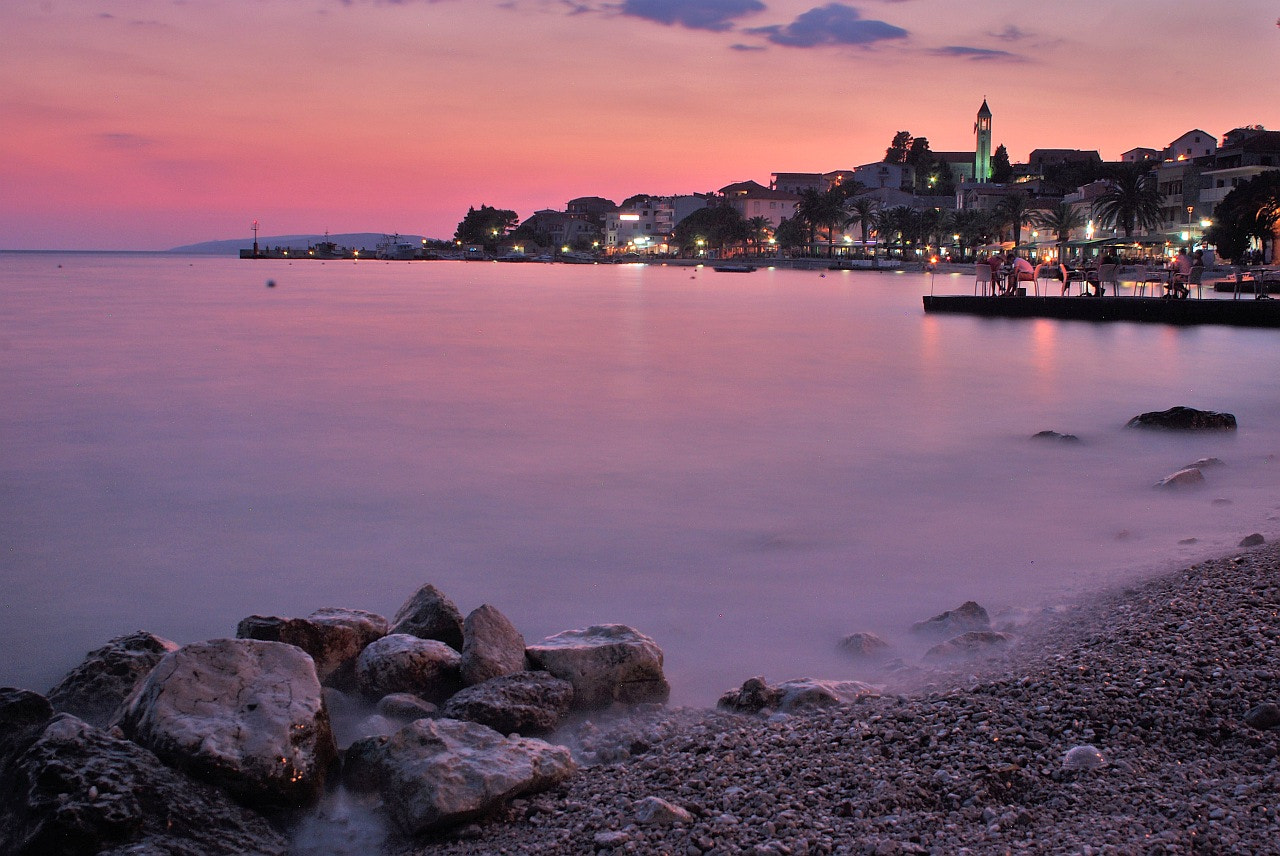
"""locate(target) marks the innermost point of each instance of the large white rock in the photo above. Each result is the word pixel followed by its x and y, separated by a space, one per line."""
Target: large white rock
pixel 401 663
pixel 241 713
pixel 606 663
pixel 435 773
pixel 491 646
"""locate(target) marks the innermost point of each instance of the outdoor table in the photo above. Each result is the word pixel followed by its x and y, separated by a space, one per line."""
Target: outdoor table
pixel 1159 277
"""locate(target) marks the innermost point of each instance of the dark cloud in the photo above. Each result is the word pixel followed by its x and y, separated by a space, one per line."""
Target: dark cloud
pixel 715 15
pixel 833 24
pixel 978 54
pixel 1011 34
pixel 742 47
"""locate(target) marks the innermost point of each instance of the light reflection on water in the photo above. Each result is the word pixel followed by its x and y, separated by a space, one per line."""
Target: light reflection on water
pixel 746 468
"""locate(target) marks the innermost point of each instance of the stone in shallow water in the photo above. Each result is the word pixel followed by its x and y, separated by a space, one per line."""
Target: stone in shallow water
pixel 1184 419
pixel 1182 478
pixel 1253 540
pixel 967 616
pixel 1086 757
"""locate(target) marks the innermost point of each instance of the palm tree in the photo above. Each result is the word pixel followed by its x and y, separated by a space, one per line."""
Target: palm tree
pixel 1014 210
pixel 758 229
pixel 1061 220
pixel 899 222
pixel 823 211
pixel 864 211
pixel 1130 201
pixel 973 227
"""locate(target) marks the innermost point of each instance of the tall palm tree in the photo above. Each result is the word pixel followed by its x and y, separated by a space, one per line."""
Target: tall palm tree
pixel 1014 211
pixel 758 229
pixel 864 211
pixel 898 224
pixel 973 227
pixel 1061 219
pixel 1130 201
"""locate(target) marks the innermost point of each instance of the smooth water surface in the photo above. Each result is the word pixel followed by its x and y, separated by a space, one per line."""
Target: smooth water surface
pixel 746 468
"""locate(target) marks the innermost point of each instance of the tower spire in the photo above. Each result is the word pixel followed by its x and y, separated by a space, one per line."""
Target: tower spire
pixel 982 144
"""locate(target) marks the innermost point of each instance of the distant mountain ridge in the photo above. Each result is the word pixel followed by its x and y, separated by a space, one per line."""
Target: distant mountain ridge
pixel 296 243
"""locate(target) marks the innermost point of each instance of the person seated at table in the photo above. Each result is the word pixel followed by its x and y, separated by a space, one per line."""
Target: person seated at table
pixel 1019 270
pixel 1180 269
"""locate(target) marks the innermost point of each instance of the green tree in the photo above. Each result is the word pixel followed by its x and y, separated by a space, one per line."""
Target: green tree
pixel 791 233
pixel 719 226
pixel 973 226
pixel 1131 200
pixel 822 211
pixel 899 226
pixel 1015 212
pixel 863 211
pixel 1061 219
pixel 1250 211
pixel 758 229
pixel 487 225
pixel 1001 169
pixel 898 149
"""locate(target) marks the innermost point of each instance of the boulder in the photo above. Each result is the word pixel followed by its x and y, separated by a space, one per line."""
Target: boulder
pixel 77 789
pixel 967 616
pixel 436 773
pixel 1263 716
pixel 428 614
pixel 240 713
pixel 794 696
pixel 1182 478
pixel 23 715
pixel 405 706
pixel 1184 419
pixel 865 646
pixel 753 696
pixel 1254 540
pixel 96 690
pixel 804 694
pixel 606 663
pixel 524 703
pixel 333 638
pixel 1055 436
pixel 969 644
pixel 491 646
pixel 401 663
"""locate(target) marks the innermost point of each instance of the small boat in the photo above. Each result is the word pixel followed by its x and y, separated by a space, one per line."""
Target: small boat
pixel 327 249
pixel 735 268
pixel 395 248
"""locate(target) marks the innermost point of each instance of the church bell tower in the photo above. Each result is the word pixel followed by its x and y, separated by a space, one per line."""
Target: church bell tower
pixel 982 149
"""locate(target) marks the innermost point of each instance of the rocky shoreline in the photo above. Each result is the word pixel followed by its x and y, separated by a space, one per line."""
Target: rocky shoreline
pixel 1140 721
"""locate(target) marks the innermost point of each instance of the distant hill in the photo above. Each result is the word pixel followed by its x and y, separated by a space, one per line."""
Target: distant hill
pixel 295 243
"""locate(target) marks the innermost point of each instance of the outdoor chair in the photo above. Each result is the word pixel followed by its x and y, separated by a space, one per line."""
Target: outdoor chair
pixel 982 279
pixel 1046 273
pixel 1107 276
pixel 1196 279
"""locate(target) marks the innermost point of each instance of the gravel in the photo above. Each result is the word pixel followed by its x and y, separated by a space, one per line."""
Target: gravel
pixel 1115 726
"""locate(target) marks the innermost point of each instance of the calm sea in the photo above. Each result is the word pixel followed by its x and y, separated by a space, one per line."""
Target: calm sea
pixel 746 468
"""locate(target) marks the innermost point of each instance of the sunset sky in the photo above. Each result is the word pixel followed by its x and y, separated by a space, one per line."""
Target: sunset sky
pixel 145 124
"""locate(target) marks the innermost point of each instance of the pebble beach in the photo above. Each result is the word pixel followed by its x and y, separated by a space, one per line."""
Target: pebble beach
pixel 1133 722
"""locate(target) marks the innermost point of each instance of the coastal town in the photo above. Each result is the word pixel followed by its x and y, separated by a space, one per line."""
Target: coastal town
pixel 1199 191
